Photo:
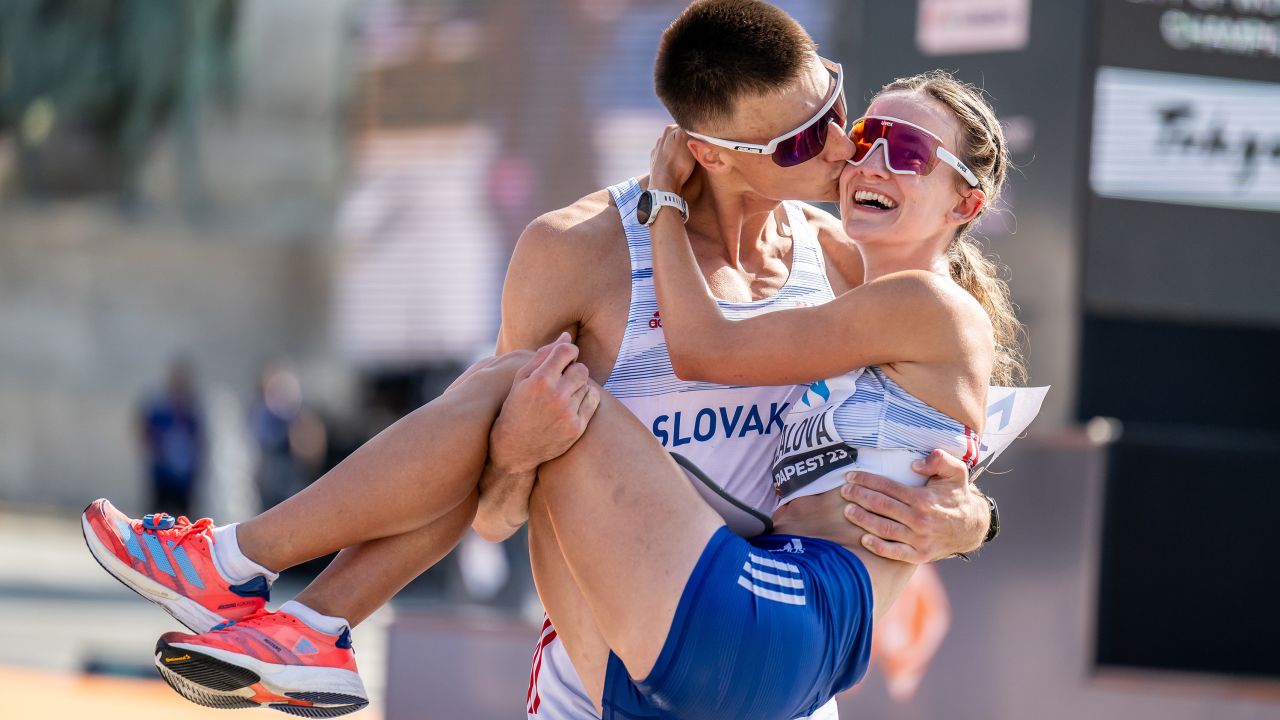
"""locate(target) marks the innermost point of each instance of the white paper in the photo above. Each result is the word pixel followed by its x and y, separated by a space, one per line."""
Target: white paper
pixel 1009 412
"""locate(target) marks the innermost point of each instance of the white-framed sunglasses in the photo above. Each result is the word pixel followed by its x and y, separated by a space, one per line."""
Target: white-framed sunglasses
pixel 805 142
pixel 908 148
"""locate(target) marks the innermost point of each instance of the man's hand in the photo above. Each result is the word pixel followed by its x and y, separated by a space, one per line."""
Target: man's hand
pixel 947 515
pixel 546 412
pixel 670 162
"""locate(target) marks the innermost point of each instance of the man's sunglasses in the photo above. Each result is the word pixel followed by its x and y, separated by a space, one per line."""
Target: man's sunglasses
pixel 805 142
pixel 908 148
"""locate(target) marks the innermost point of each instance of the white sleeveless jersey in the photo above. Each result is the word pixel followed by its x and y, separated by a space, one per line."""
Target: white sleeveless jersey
pixel 729 433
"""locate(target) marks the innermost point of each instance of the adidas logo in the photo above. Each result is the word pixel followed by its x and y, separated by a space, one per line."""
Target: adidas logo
pixel 793 546
pixel 773 580
pixel 304 647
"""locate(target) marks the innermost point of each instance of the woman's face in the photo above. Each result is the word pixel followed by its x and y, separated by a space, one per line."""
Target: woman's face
pixel 921 207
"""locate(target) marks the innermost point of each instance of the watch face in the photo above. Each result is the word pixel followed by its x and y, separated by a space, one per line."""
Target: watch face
pixel 644 207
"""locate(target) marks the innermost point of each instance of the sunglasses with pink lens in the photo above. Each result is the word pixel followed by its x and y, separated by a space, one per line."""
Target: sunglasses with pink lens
pixel 805 142
pixel 908 148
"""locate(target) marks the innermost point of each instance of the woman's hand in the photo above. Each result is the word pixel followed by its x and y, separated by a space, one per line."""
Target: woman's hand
pixel 670 162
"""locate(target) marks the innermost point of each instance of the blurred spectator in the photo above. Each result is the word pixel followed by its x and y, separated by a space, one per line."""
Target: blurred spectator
pixel 172 433
pixel 277 404
pixel 292 440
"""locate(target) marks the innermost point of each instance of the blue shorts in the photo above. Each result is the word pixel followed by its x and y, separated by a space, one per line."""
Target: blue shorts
pixel 769 628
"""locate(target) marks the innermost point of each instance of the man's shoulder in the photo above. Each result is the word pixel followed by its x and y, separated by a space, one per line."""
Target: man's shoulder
pixel 840 250
pixel 827 225
pixel 591 223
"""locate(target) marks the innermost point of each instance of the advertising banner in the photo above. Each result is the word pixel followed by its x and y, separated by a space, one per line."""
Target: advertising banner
pixel 1186 139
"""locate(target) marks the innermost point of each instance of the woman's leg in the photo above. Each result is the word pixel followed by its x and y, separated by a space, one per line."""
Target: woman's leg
pixel 365 577
pixel 419 475
pixel 631 529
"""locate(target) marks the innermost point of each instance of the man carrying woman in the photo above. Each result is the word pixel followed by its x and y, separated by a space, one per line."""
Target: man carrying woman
pixel 619 536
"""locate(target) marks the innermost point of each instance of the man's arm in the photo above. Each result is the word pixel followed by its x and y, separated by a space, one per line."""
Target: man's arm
pixel 544 294
pixel 945 516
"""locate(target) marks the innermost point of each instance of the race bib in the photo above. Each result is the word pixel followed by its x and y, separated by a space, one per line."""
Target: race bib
pixel 810 446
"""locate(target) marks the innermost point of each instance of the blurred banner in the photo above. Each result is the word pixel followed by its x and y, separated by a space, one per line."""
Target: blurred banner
pixel 1185 162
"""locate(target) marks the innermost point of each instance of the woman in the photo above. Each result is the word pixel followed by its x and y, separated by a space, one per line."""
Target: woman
pixel 686 619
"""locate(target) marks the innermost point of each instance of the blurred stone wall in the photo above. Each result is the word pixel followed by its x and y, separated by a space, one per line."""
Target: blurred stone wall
pixel 94 302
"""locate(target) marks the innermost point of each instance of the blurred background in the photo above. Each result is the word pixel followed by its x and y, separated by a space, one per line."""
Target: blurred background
pixel 238 238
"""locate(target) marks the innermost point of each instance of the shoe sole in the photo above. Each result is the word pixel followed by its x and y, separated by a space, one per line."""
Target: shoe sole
pixel 190 613
pixel 220 679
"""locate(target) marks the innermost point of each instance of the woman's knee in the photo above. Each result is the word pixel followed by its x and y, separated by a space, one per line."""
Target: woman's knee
pixel 515 358
pixel 498 368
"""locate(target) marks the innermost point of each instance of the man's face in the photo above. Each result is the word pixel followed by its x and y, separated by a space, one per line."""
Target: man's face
pixel 762 117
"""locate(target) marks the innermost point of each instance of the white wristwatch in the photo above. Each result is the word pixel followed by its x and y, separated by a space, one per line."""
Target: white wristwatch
pixel 651 201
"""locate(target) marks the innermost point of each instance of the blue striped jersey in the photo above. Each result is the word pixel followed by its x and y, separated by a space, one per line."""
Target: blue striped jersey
pixel 861 420
pixel 728 432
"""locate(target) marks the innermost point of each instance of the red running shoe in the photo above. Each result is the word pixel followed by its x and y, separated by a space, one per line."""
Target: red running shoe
pixel 170 562
pixel 269 659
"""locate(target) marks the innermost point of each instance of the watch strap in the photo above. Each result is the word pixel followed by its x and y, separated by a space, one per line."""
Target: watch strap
pixel 993 530
pixel 661 198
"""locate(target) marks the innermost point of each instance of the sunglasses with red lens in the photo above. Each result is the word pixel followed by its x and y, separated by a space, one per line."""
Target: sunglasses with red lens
pixel 908 148
pixel 805 142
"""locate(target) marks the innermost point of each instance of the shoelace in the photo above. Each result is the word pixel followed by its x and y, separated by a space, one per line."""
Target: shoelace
pixel 183 528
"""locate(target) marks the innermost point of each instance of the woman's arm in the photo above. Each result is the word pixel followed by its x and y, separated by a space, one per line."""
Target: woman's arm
pixel 903 317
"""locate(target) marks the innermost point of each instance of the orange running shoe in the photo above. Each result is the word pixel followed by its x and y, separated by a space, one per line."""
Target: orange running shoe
pixel 269 659
pixel 170 562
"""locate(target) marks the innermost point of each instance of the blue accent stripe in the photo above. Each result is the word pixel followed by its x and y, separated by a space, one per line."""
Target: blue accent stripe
pixel 131 541
pixel 184 563
pixel 157 554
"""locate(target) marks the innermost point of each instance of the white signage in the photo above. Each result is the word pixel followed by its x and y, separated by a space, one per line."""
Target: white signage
pixel 1186 139
pixel 953 27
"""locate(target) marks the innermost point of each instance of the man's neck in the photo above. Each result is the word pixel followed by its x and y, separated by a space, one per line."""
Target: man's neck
pixel 736 223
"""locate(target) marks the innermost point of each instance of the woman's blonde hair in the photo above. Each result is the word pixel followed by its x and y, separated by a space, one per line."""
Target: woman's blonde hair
pixel 983 149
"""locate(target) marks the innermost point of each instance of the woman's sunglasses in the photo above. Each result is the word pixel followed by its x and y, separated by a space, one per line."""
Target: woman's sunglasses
pixel 908 148
pixel 805 142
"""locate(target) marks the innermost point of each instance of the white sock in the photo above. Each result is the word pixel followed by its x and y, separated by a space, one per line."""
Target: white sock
pixel 233 564
pixel 327 624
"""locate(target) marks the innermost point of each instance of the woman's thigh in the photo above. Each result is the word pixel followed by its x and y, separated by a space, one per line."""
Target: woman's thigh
pixel 631 530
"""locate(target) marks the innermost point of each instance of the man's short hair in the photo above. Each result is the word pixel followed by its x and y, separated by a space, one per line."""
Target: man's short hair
pixel 719 50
